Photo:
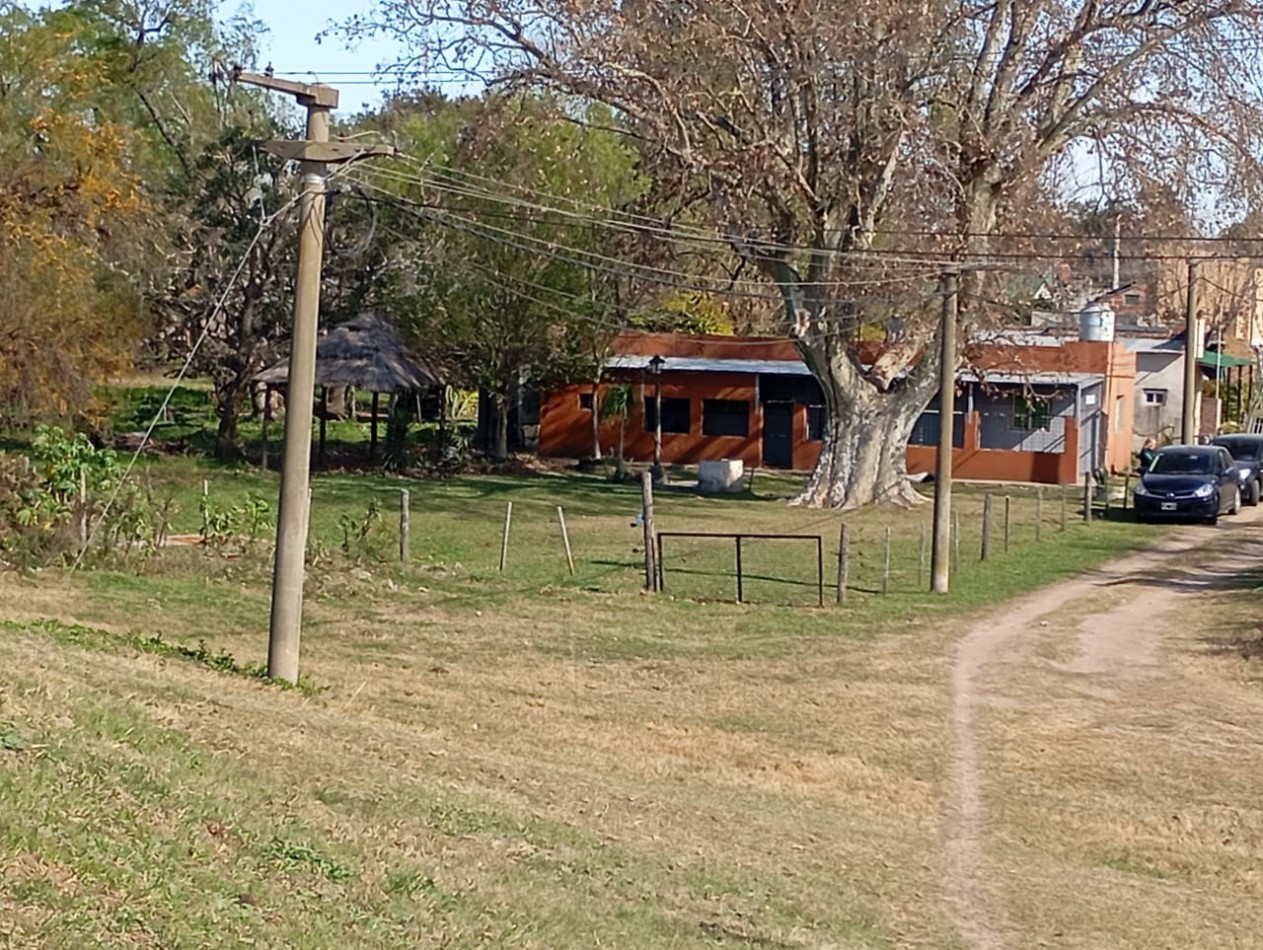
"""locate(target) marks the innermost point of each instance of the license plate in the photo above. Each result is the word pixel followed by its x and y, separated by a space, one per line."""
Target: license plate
pixel 1169 506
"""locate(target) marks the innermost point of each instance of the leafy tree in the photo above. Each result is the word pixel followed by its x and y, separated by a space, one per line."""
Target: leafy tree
pixel 851 150
pixel 495 290
pixel 72 217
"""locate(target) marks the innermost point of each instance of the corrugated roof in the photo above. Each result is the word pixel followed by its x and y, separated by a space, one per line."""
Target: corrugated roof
pixel 1032 379
pixel 691 364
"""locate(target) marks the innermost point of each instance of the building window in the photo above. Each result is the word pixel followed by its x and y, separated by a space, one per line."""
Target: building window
pixel 1155 397
pixel 1131 300
pixel 724 417
pixel 585 402
pixel 675 415
pixel 817 422
pixel 1030 413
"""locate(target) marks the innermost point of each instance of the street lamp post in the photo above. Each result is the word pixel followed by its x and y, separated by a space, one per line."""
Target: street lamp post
pixel 655 367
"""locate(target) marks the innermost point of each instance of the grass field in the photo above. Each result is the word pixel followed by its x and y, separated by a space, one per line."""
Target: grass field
pixel 479 758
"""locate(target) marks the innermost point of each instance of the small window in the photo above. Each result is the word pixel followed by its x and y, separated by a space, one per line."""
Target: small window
pixel 675 416
pixel 1131 300
pixel 724 417
pixel 1155 397
pixel 817 422
pixel 1030 414
pixel 585 401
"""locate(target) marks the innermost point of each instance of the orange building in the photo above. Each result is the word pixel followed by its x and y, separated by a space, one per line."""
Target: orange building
pixel 1029 409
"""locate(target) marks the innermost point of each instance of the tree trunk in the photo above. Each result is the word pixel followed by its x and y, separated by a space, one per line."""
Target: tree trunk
pixel 596 422
pixel 228 408
pixel 863 457
pixel 500 413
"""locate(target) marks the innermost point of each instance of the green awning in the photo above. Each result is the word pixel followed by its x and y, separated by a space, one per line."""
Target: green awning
pixel 1223 361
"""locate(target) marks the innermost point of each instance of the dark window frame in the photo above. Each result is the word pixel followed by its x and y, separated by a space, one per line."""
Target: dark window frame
pixel 726 418
pixel 817 422
pixel 673 409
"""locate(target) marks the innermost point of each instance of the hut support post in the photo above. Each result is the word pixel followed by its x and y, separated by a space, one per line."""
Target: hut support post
pixel 372 430
pixel 267 418
pixel 324 420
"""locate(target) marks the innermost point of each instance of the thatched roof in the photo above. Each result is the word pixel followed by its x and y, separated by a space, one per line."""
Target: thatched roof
pixel 365 352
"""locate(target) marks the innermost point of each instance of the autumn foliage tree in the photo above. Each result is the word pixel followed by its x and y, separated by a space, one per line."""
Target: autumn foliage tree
pixel 851 151
pixel 72 214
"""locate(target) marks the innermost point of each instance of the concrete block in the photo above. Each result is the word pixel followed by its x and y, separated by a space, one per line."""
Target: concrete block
pixel 721 475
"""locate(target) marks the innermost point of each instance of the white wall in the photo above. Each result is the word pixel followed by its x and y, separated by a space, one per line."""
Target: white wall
pixel 1161 372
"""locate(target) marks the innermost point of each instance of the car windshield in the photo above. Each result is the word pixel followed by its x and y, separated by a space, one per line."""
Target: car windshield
pixel 1183 463
pixel 1244 451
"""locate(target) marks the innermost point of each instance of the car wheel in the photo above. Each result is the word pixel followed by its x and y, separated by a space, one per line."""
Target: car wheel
pixel 1235 507
pixel 1253 498
pixel 1212 519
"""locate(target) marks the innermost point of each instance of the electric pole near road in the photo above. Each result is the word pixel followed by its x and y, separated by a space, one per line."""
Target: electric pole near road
pixel 315 153
pixel 1192 346
pixel 941 551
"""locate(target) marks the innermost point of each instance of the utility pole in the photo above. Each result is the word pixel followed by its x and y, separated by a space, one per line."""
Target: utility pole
pixel 1192 333
pixel 315 153
pixel 941 553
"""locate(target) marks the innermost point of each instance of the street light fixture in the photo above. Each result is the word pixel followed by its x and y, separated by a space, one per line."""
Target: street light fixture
pixel 655 368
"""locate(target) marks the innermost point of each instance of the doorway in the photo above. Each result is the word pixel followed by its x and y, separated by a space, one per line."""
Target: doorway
pixel 778 434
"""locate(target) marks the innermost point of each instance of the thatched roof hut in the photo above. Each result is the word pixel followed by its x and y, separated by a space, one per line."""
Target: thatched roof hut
pixel 365 352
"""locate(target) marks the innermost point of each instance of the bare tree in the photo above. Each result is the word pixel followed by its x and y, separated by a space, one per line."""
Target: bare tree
pixel 851 150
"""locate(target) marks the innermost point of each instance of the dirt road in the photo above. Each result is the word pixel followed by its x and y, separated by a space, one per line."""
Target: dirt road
pixel 1076 734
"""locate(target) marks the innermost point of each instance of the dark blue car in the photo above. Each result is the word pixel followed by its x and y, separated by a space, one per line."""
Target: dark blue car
pixel 1189 481
pixel 1247 454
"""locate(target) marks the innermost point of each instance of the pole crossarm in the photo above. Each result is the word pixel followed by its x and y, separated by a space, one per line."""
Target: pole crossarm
pixel 326 153
pixel 310 95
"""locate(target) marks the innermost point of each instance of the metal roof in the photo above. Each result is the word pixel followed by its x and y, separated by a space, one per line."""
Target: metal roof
pixel 692 364
pixel 1078 380
pixel 797 368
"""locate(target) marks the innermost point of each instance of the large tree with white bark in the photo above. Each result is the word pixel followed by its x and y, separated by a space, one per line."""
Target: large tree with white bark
pixel 849 151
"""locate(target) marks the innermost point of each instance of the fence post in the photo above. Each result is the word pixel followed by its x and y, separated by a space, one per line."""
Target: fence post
pixel 1126 488
pixel 844 561
pixel 921 559
pixel 504 541
pixel 740 590
pixel 565 539
pixel 1065 507
pixel 987 504
pixel 1008 520
pixel 405 501
pixel 646 516
pixel 885 574
pixel 1087 496
pixel 1039 515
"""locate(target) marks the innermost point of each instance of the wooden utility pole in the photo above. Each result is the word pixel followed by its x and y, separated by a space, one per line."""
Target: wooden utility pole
pixel 315 153
pixel 941 557
pixel 1192 333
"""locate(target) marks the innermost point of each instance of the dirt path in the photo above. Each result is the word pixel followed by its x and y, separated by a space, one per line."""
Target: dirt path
pixel 1111 650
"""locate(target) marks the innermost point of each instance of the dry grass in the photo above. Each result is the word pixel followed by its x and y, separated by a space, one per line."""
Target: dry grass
pixel 523 760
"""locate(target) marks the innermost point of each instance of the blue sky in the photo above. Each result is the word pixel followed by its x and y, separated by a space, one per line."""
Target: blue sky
pixel 292 48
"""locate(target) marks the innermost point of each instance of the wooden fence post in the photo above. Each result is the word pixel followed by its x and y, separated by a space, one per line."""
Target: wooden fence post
pixel 844 561
pixel 1087 496
pixel 504 542
pixel 1039 515
pixel 987 504
pixel 885 575
pixel 565 539
pixel 921 559
pixel 650 535
pixel 405 505
pixel 1008 520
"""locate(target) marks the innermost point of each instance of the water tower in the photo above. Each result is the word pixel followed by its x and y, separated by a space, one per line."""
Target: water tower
pixel 1096 323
